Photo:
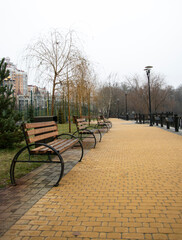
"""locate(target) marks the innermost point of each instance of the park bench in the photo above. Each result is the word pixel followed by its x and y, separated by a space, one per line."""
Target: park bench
pixel 42 138
pixel 104 123
pixel 84 130
pixel 107 122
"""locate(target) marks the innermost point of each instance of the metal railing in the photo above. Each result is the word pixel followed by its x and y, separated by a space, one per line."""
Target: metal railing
pixel 162 119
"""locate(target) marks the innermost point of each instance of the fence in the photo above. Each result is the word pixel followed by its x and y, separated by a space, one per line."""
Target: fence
pixel 164 119
pixel 29 111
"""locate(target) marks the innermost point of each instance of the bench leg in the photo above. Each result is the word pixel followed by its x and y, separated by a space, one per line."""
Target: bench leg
pixel 62 170
pixel 95 140
pixel 15 160
pixel 104 126
pixel 100 135
pixel 79 141
pixel 12 177
pixel 81 138
pixel 107 127
pixel 81 150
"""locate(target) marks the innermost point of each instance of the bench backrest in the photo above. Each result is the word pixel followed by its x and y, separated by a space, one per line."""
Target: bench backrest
pixel 81 123
pixel 100 120
pixel 40 131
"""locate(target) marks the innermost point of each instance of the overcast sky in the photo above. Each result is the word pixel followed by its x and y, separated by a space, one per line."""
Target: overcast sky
pixel 119 36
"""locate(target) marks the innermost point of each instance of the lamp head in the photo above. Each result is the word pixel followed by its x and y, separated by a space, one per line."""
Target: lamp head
pixel 148 67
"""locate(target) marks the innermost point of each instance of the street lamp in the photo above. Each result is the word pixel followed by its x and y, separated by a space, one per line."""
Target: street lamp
pixel 147 69
pixel 118 106
pixel 126 105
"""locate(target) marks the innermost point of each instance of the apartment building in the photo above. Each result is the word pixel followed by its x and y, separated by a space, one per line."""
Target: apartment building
pixel 9 82
pixel 38 96
pixel 25 94
pixel 18 78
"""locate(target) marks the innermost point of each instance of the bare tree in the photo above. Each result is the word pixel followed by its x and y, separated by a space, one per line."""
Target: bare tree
pixel 108 95
pixel 138 99
pixel 160 93
pixel 178 99
pixel 77 85
pixel 83 82
pixel 51 56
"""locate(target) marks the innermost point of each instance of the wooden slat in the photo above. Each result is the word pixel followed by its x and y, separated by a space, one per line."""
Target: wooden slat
pixel 85 131
pixel 50 143
pixel 83 124
pixel 67 146
pixel 59 144
pixel 41 130
pixel 80 120
pixel 81 127
pixel 39 124
pixel 43 136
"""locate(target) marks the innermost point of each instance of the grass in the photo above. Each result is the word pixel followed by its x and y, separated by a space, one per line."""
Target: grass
pixel 6 156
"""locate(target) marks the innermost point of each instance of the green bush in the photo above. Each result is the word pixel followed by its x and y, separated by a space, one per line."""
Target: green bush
pixel 10 132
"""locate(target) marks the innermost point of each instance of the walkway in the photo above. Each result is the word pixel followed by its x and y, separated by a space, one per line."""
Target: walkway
pixel 129 187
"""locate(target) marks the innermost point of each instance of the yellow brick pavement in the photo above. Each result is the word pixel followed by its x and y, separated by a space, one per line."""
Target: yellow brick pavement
pixel 128 187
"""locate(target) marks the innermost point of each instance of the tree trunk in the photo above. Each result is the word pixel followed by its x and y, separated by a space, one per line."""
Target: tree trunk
pixel 80 103
pixel 89 107
pixel 53 95
pixel 69 118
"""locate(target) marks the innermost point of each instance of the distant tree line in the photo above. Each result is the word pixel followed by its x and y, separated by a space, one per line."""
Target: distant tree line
pixel 131 96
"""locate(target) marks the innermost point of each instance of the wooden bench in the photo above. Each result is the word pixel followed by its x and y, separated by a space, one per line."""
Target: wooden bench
pixel 42 138
pixel 84 130
pixel 109 123
pixel 104 123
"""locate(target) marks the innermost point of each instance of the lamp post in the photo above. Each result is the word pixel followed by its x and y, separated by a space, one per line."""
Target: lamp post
pixel 147 69
pixel 126 105
pixel 118 106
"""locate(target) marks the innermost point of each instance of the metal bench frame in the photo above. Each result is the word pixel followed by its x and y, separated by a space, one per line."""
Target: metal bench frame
pixel 83 128
pixel 38 135
pixel 104 123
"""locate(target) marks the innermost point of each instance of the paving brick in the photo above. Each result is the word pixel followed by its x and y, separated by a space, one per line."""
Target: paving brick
pixel 30 233
pixel 177 230
pixel 175 236
pixel 121 229
pixel 165 230
pixel 21 227
pixel 147 230
pixel 46 233
pixel 131 224
pixel 113 236
pixel 42 228
pixel 62 228
pixel 160 237
pixel 133 235
pixel 103 229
